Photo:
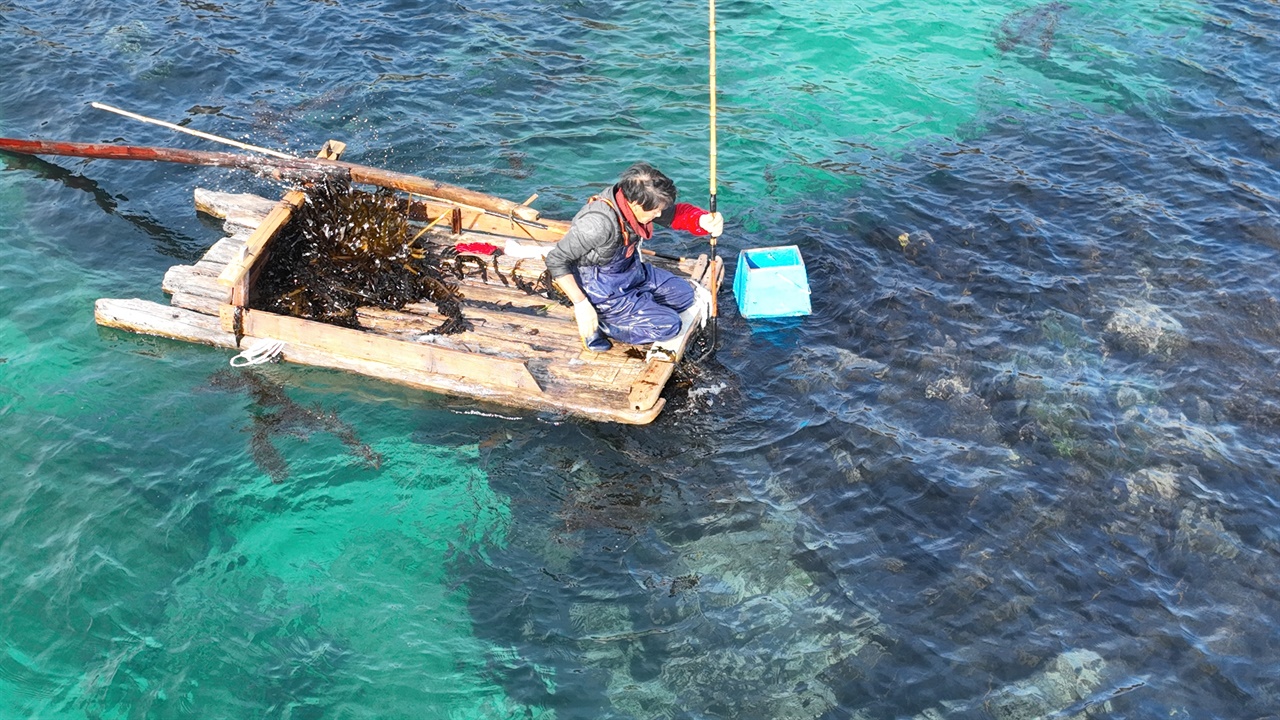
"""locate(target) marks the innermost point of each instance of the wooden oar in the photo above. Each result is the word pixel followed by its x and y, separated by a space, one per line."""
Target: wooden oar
pixel 284 168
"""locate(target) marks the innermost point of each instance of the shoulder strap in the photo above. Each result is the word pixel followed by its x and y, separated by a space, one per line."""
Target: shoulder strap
pixel 617 215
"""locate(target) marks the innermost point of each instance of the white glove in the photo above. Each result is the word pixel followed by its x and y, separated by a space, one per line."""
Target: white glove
pixel 713 223
pixel 516 250
pixel 588 320
pixel 702 298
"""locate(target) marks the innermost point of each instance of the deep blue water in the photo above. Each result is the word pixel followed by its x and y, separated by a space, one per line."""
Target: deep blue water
pixel 1020 462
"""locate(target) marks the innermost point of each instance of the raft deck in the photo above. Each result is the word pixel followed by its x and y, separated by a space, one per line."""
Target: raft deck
pixel 524 350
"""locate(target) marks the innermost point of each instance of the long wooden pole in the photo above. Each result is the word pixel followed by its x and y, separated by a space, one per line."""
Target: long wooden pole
pixel 291 169
pixel 713 108
pixel 190 131
pixel 283 168
pixel 715 310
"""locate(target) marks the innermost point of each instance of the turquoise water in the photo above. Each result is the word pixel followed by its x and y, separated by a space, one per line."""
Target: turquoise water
pixel 1023 465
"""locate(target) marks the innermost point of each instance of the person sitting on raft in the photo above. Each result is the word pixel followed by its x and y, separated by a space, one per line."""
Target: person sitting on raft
pixel 597 263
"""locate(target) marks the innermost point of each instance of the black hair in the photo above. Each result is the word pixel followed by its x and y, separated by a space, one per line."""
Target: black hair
pixel 646 186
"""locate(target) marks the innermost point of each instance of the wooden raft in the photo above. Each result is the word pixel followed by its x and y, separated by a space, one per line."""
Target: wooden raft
pixel 524 350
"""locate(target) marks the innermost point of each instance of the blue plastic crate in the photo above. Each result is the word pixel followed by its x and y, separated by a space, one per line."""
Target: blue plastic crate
pixel 771 282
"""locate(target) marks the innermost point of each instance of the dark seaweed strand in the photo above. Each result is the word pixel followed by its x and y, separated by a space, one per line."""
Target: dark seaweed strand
pixel 275 413
pixel 345 248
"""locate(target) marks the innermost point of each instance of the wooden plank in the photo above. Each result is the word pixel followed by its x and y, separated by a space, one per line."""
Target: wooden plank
pixel 193 280
pixel 713 279
pixel 646 389
pixel 478 221
pixel 562 354
pixel 483 340
pixel 223 251
pixel 479 369
pixel 516 298
pixel 241 209
pixel 149 318
pixel 502 329
pixel 197 303
pixel 511 331
pixel 513 323
pixel 699 268
pixel 603 372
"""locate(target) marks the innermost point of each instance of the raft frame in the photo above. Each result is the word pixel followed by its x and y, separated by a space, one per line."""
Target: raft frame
pixel 524 352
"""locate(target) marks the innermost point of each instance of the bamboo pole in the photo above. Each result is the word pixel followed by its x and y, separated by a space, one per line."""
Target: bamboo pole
pixel 713 107
pixel 715 310
pixel 189 131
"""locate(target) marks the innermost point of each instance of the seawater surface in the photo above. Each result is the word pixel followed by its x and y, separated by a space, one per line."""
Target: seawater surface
pixel 1020 462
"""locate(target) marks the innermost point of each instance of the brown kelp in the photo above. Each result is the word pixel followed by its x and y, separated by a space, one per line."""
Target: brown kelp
pixel 276 413
pixel 346 248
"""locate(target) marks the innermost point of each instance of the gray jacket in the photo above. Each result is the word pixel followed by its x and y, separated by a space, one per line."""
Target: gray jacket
pixel 595 236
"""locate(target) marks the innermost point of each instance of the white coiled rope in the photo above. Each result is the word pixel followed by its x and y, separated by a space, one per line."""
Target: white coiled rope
pixel 263 350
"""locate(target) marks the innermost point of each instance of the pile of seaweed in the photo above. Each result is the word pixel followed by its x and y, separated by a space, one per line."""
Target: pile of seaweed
pixel 346 248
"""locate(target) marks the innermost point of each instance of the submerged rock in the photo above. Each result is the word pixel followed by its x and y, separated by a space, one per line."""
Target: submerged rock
pixel 1060 690
pixel 1155 506
pixel 1202 533
pixel 828 369
pixel 1152 485
pixel 735 628
pixel 1146 329
pixel 1156 429
pixel 1066 680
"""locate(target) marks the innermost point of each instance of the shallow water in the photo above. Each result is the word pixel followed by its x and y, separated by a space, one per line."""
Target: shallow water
pixel 1022 464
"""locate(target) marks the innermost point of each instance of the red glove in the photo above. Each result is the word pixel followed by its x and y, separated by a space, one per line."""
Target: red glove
pixel 476 248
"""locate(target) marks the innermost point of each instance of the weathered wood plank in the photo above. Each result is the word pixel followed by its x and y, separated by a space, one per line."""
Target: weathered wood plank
pixel 149 318
pixel 197 303
pixel 562 355
pixel 485 340
pixel 699 268
pixel 605 373
pixel 236 274
pixel 646 388
pixel 193 280
pixel 358 344
pixel 515 324
pixel 238 209
pixel 476 220
pixel 224 251
pixel 517 298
